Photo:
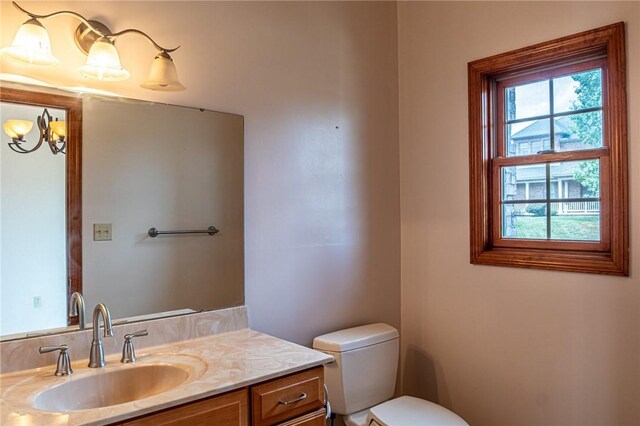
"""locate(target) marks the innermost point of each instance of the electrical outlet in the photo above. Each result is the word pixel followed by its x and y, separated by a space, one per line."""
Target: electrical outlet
pixel 101 232
pixel 37 302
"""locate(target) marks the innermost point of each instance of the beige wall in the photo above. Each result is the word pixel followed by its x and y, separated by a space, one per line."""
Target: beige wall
pixel 503 346
pixel 317 84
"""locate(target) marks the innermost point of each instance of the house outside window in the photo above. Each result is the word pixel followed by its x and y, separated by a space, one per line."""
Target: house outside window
pixel 577 219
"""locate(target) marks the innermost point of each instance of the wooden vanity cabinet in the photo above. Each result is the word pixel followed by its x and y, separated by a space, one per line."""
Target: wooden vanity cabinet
pixel 293 400
pixel 227 409
pixel 317 418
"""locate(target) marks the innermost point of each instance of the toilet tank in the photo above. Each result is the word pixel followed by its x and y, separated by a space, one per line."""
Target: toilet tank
pixel 365 367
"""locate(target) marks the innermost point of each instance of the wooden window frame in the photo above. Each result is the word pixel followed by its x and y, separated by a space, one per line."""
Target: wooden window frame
pixel 611 254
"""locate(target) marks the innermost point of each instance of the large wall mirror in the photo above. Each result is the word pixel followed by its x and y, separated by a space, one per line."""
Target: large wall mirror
pixel 75 213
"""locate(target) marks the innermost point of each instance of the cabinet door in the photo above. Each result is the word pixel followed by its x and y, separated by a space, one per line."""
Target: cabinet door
pixel 317 418
pixel 225 410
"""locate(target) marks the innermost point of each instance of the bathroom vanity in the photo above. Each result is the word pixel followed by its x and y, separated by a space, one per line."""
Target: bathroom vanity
pixel 197 360
pixel 222 374
pixel 296 399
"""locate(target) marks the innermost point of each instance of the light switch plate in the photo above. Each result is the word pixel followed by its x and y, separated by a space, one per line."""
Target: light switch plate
pixel 101 232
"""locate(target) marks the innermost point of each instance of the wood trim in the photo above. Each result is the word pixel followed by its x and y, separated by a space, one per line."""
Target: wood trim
pixel 596 263
pixel 317 418
pixel 585 154
pixel 73 108
pixel 479 157
pixel 585 44
pixel 617 135
pixel 229 409
pixel 546 74
pixel 482 74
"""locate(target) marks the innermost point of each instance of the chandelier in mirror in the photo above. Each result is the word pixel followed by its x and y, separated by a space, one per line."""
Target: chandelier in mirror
pixel 52 131
pixel 32 46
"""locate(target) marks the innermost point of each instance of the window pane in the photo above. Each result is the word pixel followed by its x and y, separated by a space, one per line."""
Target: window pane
pixel 524 182
pixel 524 221
pixel 527 100
pixel 577 91
pixel 528 137
pixel 579 131
pixel 575 179
pixel 575 221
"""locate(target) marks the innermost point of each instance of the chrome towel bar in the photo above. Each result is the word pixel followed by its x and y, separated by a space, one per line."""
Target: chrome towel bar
pixel 212 230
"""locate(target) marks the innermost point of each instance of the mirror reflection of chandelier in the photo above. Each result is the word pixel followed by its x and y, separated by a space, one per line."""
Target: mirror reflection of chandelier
pixel 52 131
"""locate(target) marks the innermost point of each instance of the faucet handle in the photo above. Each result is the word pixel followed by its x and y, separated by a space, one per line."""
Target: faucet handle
pixel 63 367
pixel 138 333
pixel 128 351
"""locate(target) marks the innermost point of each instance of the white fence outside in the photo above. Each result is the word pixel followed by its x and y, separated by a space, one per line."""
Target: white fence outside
pixel 579 207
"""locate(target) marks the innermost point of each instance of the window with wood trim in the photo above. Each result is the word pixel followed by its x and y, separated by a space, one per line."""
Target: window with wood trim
pixel 548 155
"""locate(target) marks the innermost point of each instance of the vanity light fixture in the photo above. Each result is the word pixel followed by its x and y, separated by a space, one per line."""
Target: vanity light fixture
pixel 31 46
pixel 52 131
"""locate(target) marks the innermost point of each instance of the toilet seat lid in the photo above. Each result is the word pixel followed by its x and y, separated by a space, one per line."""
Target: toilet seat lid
pixel 410 411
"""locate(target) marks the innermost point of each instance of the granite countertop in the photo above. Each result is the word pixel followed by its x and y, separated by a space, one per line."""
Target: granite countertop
pixel 216 364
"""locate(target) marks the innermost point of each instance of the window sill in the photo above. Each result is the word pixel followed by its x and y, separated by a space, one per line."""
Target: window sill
pixel 555 260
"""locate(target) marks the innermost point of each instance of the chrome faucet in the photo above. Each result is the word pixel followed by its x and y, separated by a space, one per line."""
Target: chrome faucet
pixel 76 308
pixel 96 355
pixel 128 351
pixel 63 367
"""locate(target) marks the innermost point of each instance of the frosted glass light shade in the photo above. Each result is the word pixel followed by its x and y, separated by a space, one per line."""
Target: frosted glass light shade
pixel 16 129
pixel 103 62
pixel 163 75
pixel 59 129
pixel 31 45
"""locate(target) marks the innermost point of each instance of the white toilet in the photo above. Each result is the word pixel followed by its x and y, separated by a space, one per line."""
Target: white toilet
pixel 363 377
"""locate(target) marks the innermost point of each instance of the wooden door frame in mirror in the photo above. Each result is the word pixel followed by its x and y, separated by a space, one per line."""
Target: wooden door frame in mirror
pixel 73 108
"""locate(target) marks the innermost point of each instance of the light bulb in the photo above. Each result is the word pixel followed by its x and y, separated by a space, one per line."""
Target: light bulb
pixel 31 46
pixel 163 75
pixel 16 129
pixel 58 129
pixel 103 62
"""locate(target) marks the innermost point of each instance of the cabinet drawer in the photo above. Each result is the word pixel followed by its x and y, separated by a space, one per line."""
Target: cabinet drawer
pixel 287 397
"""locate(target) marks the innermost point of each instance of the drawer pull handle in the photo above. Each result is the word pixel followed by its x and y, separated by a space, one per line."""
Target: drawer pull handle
pixel 291 401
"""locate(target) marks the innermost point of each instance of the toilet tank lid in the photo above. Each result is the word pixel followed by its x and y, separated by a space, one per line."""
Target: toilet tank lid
pixel 355 338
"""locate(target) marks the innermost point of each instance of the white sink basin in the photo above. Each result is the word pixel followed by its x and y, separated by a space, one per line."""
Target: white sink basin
pixel 119 384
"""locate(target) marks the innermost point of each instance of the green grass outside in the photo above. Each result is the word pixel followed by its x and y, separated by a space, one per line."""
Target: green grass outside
pixel 562 227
